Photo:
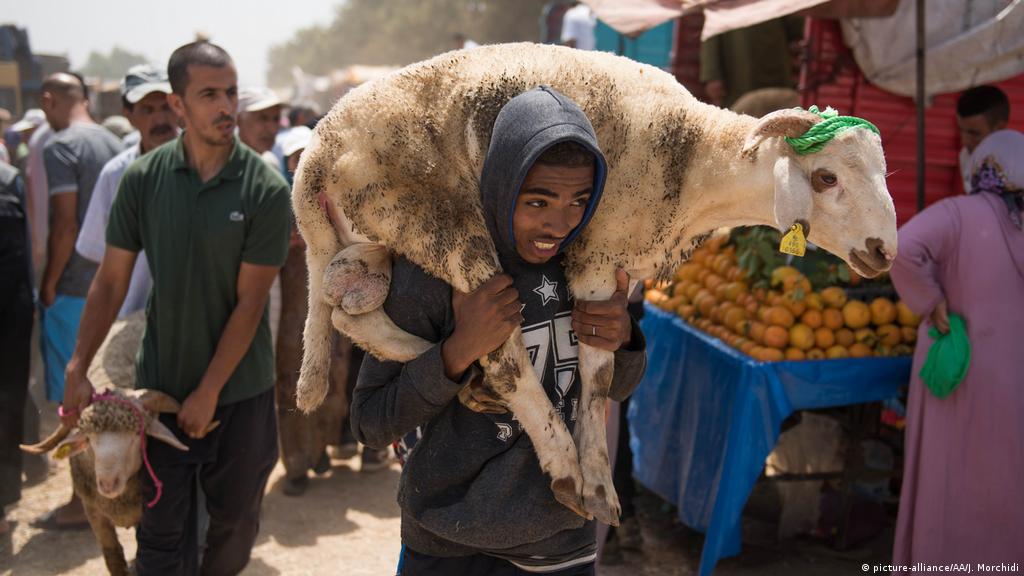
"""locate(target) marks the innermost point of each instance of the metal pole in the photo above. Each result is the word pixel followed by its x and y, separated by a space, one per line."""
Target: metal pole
pixel 920 104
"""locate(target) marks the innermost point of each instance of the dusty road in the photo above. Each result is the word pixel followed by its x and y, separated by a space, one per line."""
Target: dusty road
pixel 347 524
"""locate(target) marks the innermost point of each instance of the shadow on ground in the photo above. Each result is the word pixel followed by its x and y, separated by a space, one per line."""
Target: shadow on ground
pixel 327 504
pixel 53 552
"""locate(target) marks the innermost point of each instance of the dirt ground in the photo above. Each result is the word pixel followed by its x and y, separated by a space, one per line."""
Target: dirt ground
pixel 347 523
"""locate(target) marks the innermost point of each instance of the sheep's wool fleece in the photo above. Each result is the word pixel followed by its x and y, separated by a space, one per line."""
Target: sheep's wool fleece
pixel 107 416
pixel 114 363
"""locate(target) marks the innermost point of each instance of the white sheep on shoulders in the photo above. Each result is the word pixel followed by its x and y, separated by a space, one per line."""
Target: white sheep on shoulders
pixel 399 160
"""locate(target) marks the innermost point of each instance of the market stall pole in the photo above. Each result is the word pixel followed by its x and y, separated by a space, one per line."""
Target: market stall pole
pixel 706 416
pixel 921 96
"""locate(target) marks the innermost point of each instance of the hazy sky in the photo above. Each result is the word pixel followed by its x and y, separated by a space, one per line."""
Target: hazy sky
pixel 245 28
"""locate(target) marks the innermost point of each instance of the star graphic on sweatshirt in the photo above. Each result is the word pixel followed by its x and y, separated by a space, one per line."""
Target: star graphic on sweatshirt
pixel 548 290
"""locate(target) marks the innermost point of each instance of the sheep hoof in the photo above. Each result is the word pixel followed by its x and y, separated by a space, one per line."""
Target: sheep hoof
pixel 567 494
pixel 310 393
pixel 116 565
pixel 364 296
pixel 602 503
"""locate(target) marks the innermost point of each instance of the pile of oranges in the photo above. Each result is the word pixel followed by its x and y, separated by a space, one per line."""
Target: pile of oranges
pixel 787 321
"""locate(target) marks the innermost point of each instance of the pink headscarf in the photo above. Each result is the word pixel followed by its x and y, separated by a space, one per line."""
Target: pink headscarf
pixel 997 167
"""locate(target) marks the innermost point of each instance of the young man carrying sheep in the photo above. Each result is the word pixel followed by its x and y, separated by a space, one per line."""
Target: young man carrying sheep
pixel 474 499
pixel 214 222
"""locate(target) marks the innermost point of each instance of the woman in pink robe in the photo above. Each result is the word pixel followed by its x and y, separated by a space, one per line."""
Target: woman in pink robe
pixel 963 486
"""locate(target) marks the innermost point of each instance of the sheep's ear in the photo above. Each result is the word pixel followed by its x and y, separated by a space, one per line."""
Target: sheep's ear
pixel 155 401
pixel 73 444
pixel 781 123
pixel 157 430
pixel 794 197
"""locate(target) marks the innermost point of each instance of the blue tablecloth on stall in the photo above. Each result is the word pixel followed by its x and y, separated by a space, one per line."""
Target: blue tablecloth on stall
pixel 706 416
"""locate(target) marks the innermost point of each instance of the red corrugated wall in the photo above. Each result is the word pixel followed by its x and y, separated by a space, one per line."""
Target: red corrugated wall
pixel 831 77
pixel 685 58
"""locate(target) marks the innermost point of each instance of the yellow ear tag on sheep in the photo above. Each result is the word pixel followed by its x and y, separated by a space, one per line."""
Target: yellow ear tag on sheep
pixel 794 242
pixel 62 452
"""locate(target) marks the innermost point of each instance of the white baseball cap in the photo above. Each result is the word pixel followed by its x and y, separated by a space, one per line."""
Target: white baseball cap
pixel 256 98
pixel 34 117
pixel 296 139
pixel 142 80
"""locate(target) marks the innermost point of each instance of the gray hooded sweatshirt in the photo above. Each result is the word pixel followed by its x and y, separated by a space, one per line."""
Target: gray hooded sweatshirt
pixel 472 483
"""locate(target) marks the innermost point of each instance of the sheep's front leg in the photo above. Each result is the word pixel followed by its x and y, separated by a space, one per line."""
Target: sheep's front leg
pixel 599 496
pixel 510 375
pixel 322 245
pixel 596 369
pixel 106 535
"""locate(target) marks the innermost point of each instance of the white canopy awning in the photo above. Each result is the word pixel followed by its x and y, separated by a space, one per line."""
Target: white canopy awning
pixel 969 42
pixel 632 17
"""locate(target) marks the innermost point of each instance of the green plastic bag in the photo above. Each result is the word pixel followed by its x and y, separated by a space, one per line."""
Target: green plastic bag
pixel 948 358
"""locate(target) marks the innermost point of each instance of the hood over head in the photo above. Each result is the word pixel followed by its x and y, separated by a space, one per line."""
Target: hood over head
pixel 525 127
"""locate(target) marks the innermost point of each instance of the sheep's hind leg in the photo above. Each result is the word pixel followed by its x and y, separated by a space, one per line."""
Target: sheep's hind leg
pixel 599 498
pixel 511 376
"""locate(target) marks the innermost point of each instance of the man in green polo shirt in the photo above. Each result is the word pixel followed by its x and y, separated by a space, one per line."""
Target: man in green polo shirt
pixel 214 221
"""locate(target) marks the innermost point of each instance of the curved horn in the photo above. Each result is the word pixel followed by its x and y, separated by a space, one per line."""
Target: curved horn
pixel 155 401
pixel 790 122
pixel 50 443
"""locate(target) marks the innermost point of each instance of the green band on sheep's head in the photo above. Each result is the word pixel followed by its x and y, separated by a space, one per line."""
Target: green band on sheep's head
pixel 821 133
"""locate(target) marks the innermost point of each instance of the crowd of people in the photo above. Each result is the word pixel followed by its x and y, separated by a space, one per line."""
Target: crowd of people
pixel 187 218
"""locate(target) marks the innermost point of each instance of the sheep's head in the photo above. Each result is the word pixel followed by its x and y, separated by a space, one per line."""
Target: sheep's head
pixel 111 430
pixel 838 193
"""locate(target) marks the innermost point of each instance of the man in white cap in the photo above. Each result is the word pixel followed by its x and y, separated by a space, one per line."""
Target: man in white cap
pixel 293 143
pixel 144 93
pixel 33 118
pixel 259 120
pixel 25 127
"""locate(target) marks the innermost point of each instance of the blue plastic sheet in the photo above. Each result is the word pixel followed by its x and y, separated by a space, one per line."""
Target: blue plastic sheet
pixel 706 416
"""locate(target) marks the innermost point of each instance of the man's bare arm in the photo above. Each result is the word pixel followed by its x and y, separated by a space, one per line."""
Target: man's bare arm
pixel 253 288
pixel 106 294
pixel 61 242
